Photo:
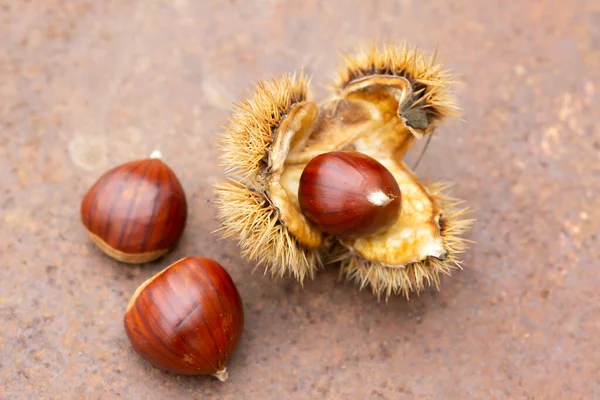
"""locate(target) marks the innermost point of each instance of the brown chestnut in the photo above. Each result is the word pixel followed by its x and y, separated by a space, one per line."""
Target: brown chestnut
pixel 187 319
pixel 135 212
pixel 349 194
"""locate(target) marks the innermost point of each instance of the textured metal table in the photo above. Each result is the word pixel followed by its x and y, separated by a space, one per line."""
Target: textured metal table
pixel 85 85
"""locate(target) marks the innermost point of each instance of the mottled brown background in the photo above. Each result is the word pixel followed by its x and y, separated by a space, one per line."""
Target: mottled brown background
pixel 85 85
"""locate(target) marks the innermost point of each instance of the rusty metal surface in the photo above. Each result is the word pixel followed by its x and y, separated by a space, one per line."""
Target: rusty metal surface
pixel 85 85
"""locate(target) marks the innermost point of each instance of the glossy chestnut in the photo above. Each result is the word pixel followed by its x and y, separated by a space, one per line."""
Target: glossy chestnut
pixel 135 212
pixel 187 319
pixel 349 194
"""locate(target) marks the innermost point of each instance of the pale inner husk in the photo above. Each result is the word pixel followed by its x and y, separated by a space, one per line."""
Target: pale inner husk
pixel 364 118
pixel 290 137
pixel 415 235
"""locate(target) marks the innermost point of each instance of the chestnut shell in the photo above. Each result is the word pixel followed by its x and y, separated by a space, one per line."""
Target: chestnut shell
pixel 349 194
pixel 187 319
pixel 135 212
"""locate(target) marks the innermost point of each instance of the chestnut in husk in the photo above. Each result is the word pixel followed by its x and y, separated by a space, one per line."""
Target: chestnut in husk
pixel 349 194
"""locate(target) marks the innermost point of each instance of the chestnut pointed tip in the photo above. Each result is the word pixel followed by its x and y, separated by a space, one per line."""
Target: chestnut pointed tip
pixel 222 374
pixel 156 154
pixel 379 198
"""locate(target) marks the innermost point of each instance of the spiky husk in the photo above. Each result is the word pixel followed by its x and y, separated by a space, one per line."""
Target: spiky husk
pixel 244 207
pixel 427 76
pixel 247 215
pixel 250 131
pixel 246 211
pixel 385 281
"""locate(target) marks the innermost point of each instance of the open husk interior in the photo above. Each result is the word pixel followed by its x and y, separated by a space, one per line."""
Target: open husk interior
pixel 384 101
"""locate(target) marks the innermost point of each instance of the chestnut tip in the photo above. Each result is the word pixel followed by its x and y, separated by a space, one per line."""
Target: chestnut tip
pixel 222 374
pixel 379 198
pixel 156 154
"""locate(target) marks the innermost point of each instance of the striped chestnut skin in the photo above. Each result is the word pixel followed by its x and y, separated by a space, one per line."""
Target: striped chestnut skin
pixel 136 212
pixel 349 194
pixel 187 319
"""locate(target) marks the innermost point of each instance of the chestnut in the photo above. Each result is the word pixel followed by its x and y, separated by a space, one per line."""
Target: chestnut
pixel 187 319
pixel 349 194
pixel 135 212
